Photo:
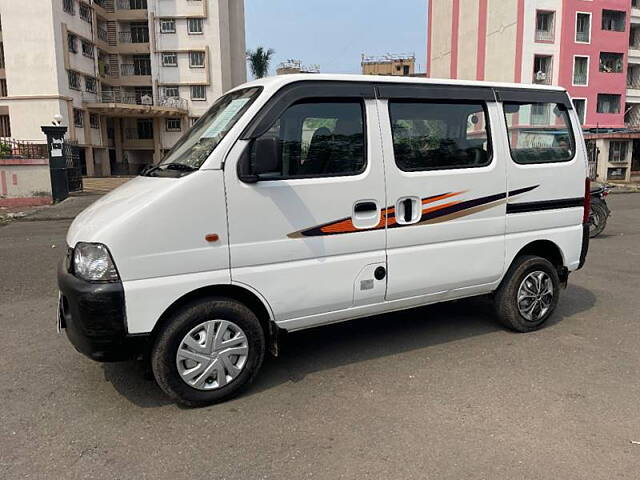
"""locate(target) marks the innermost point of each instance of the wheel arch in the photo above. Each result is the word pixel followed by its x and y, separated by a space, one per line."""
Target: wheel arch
pixel 549 250
pixel 241 293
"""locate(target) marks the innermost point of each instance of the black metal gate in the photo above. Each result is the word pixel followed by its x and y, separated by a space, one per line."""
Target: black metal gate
pixel 71 153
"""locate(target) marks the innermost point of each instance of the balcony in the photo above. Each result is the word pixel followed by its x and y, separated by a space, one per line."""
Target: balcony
pixel 134 42
pixel 130 103
pixel 544 36
pixel 131 10
pixel 135 69
pixel 582 37
pixel 102 34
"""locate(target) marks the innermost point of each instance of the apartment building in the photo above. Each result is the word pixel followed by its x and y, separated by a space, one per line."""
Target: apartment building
pixel 127 76
pixel 590 47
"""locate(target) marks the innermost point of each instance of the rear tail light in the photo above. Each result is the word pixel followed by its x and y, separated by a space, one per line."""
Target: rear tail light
pixel 587 200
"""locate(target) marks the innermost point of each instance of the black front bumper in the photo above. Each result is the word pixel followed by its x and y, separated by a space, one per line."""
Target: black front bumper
pixel 93 316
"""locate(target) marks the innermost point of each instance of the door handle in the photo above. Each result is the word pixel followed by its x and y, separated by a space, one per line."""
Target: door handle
pixel 366 214
pixel 408 210
pixel 365 207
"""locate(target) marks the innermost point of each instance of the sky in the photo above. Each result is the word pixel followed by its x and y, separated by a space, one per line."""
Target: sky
pixel 334 33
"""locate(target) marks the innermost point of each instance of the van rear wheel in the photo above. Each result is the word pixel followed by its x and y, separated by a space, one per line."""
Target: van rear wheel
pixel 208 352
pixel 528 295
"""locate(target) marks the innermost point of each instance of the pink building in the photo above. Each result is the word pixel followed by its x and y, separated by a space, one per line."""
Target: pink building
pixel 590 47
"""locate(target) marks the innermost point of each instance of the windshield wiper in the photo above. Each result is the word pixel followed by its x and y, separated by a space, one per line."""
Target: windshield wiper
pixel 183 167
pixel 148 170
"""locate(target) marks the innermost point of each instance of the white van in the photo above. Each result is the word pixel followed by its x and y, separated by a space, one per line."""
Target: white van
pixel 304 200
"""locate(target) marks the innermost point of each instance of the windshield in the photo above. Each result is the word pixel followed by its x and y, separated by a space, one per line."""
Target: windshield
pixel 196 145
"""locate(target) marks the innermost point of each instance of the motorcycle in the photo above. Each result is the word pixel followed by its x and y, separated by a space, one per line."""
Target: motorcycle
pixel 599 212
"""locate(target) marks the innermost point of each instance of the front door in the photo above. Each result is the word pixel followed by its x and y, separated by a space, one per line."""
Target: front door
pixel 309 235
pixel 446 184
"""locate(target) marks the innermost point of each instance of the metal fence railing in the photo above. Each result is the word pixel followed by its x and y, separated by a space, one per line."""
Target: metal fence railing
pixel 134 36
pixel 135 69
pixel 12 148
pixel 544 35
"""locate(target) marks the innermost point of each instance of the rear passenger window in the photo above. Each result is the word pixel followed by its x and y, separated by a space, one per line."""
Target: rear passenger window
pixel 539 132
pixel 439 135
pixel 320 138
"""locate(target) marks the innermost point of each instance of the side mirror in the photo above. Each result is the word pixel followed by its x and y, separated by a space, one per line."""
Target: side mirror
pixel 261 157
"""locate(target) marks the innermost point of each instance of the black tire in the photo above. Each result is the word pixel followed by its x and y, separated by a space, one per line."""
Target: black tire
pixel 168 340
pixel 506 297
pixel 597 218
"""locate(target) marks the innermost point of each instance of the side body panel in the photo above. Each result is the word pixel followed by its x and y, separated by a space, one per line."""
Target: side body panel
pixel 553 210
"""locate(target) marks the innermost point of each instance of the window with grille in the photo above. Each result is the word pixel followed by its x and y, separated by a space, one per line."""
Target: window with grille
pixel 173 125
pixel 169 59
pixel 72 40
pixel 198 92
pixel 168 25
pixel 608 103
pixel 74 80
pixel 78 118
pixel 5 126
pixel 613 20
pixel 194 26
pixel 171 91
pixel 94 120
pixel 87 49
pixel 618 152
pixel 196 59
pixel 3 87
pixel 580 70
pixel 611 62
pixel 544 26
pixel 69 6
pixel 85 12
pixel 583 27
pixel 90 84
pixel 580 105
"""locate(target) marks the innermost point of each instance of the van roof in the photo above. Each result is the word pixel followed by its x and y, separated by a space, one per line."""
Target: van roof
pixel 281 80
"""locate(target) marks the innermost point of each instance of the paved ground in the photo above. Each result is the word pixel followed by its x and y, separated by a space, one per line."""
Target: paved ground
pixel 102 185
pixel 438 392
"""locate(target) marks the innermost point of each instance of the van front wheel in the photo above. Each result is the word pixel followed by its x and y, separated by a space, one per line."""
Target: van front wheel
pixel 208 352
pixel 528 294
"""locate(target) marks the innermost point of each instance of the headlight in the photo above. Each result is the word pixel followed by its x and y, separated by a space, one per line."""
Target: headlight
pixel 93 262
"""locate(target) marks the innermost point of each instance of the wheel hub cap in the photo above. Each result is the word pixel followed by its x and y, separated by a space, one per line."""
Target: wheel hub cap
pixel 535 296
pixel 212 354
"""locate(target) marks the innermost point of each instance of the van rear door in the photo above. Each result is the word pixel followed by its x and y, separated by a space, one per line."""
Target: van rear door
pixel 446 186
pixel 309 235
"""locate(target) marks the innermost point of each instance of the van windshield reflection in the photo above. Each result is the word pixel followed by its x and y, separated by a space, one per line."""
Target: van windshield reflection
pixel 196 145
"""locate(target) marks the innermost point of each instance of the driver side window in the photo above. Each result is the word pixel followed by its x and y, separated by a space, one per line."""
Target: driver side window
pixel 439 135
pixel 319 138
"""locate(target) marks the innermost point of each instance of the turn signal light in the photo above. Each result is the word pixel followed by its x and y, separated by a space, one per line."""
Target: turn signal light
pixel 211 237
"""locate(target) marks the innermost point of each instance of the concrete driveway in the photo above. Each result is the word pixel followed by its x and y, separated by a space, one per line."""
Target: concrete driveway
pixel 437 392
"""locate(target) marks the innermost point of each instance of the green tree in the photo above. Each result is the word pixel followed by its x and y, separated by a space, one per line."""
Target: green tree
pixel 259 60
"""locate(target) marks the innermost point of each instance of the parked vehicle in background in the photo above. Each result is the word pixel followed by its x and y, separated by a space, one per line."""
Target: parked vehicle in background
pixel 599 210
pixel 305 200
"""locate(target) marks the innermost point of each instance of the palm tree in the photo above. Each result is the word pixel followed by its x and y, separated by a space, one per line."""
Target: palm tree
pixel 259 60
